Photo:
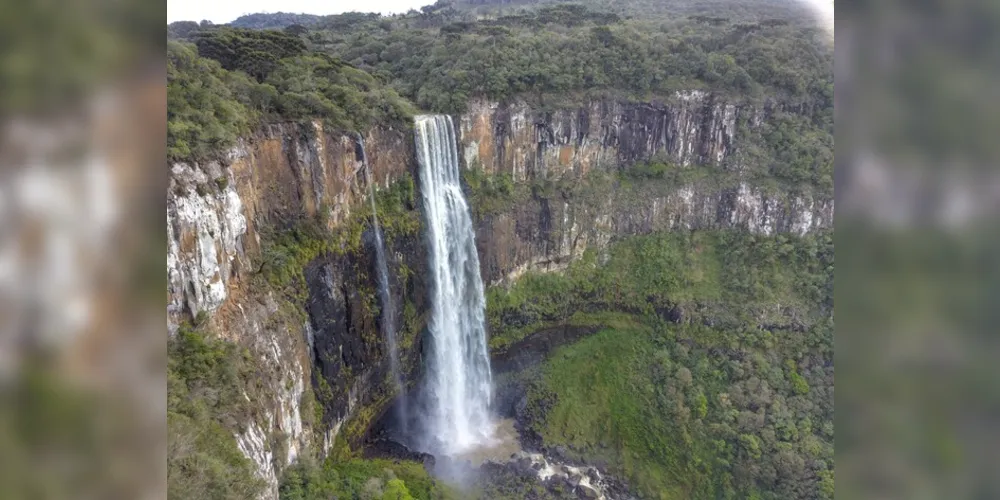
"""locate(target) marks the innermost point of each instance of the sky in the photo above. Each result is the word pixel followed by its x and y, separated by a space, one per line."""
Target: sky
pixel 224 11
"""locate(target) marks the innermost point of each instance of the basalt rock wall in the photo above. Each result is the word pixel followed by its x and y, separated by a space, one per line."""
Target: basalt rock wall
pixel 695 131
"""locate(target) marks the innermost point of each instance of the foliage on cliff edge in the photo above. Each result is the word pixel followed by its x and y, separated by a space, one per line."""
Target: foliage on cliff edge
pixel 206 381
pixel 223 87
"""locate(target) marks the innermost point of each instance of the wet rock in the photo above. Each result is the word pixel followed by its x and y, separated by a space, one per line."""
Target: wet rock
pixel 587 492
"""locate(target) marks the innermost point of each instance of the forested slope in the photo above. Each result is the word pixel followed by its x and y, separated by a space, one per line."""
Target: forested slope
pixel 712 375
pixel 439 59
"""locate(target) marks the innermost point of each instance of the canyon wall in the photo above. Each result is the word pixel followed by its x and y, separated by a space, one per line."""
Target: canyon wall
pixel 696 131
pixel 219 215
pixel 281 175
pixel 693 128
pixel 321 335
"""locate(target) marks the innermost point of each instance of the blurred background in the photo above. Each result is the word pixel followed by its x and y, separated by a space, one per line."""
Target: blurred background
pixel 918 195
pixel 82 249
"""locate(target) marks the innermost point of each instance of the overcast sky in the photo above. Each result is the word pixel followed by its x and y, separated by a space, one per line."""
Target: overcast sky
pixel 224 11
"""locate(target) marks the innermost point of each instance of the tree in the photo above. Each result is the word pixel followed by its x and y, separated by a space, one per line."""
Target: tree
pixel 181 29
pixel 256 53
pixel 751 445
pixel 684 376
pixel 203 117
pixel 396 490
pixel 296 30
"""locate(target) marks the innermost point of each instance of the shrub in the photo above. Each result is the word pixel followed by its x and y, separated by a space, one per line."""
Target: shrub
pixel 206 379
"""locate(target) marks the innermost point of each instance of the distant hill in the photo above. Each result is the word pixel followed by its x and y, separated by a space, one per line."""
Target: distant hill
pixel 276 20
pixel 729 9
pixel 741 10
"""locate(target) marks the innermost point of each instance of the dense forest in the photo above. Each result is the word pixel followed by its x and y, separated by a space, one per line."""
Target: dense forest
pixel 351 69
pixel 439 59
pixel 746 10
pixel 229 80
pixel 712 376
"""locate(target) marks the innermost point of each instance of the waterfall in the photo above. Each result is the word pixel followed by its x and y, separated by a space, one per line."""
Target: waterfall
pixel 387 321
pixel 458 382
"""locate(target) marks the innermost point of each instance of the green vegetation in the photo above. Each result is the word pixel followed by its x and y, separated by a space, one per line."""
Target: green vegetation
pixel 351 70
pixel 230 80
pixel 203 116
pixel 693 412
pixel 789 151
pixel 714 12
pixel 255 53
pixel 664 173
pixel 733 278
pixel 364 479
pixel 206 380
pixel 713 376
pixel 397 209
pixel 318 86
pixel 276 20
pixel 397 216
pixel 492 194
pixel 287 251
pixel 560 54
pixel 441 57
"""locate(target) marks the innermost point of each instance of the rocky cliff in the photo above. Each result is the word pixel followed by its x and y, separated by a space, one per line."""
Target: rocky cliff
pixel 703 135
pixel 693 128
pixel 320 335
pixel 220 216
pixel 282 174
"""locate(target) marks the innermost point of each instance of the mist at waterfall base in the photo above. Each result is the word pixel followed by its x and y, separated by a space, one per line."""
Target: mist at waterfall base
pixel 450 409
pixel 387 315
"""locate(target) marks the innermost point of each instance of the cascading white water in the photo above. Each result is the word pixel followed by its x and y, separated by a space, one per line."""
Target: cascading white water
pixel 458 386
pixel 387 321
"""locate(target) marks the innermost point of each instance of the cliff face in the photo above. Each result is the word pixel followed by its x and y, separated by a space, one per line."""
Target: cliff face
pixel 283 174
pixel 216 214
pixel 546 233
pixel 697 131
pixel 349 352
pixel 694 128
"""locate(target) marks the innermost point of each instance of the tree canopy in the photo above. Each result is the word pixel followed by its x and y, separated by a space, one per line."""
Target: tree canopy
pixel 441 56
pixel 230 80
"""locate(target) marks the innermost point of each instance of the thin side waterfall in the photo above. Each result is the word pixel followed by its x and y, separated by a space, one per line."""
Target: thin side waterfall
pixel 388 315
pixel 458 384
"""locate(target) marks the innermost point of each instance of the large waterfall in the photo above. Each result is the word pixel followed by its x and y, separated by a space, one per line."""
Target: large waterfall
pixel 387 320
pixel 458 385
